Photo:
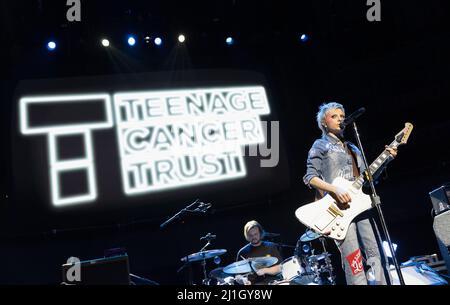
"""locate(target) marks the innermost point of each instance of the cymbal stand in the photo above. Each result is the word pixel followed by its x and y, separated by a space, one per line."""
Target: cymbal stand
pixel 322 241
pixel 328 266
pixel 208 238
pixel 205 280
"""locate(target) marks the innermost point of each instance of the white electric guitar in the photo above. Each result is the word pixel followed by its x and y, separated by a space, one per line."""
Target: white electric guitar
pixel 325 217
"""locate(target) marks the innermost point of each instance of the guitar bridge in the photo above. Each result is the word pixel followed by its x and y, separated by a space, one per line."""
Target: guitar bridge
pixel 335 211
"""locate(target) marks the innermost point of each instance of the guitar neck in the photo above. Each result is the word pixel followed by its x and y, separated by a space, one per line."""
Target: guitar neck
pixel 376 165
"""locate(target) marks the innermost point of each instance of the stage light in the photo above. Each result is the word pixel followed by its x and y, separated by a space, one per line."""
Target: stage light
pixel 147 39
pixel 181 38
pixel 158 41
pixel 131 41
pixel 105 42
pixel 229 41
pixel 51 45
pixel 304 38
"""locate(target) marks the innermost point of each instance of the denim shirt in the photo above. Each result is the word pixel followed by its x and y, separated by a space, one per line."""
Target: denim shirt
pixel 328 159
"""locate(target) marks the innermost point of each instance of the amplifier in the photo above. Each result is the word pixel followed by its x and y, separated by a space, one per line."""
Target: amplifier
pixel 103 271
pixel 441 227
pixel 440 198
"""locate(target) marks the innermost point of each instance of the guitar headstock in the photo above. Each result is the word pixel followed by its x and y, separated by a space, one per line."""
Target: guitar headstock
pixel 403 135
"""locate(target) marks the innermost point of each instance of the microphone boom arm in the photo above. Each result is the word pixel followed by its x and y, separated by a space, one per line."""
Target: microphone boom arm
pixel 178 215
pixel 352 117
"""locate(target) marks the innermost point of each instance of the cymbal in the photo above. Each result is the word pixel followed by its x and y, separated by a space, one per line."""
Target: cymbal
pixel 250 264
pixel 203 255
pixel 309 236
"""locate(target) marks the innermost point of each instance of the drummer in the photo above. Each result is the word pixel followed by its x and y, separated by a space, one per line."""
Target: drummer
pixel 257 247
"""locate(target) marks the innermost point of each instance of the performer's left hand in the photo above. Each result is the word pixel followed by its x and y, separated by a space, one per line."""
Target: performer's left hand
pixel 393 151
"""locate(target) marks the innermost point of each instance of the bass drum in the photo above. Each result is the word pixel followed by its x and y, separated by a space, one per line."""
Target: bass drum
pixel 298 271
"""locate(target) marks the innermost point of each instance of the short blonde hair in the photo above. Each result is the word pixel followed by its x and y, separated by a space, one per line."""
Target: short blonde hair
pixel 323 109
pixel 250 225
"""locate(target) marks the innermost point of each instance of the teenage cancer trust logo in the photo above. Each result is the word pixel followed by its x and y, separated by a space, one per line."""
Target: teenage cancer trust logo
pixel 166 139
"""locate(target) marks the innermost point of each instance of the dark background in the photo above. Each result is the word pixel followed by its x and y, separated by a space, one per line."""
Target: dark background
pixel 396 68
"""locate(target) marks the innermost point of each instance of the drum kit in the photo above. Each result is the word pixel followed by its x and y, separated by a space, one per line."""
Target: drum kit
pixel 303 268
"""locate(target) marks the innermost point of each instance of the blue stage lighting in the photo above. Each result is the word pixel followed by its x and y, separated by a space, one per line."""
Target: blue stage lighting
pixel 229 41
pixel 51 45
pixel 131 41
pixel 304 37
pixel 158 41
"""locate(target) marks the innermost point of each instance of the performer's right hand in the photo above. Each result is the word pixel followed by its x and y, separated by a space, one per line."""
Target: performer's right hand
pixel 342 197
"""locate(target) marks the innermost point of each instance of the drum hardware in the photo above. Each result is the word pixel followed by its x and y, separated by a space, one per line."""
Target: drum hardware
pixel 307 238
pixel 306 267
pixel 209 237
pixel 309 235
pixel 280 282
pixel 218 277
pixel 202 256
pixel 328 266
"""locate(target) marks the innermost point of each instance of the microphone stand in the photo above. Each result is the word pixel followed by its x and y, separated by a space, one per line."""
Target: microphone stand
pixel 376 202
pixel 178 215
pixel 201 208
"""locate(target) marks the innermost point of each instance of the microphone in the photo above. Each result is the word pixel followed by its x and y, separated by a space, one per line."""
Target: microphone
pixel 352 117
pixel 208 237
pixel 203 207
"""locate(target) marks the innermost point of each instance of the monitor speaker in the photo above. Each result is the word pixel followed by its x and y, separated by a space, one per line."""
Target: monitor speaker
pixel 103 271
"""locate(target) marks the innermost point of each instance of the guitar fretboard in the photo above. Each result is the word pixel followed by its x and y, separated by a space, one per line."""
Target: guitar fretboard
pixel 377 164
